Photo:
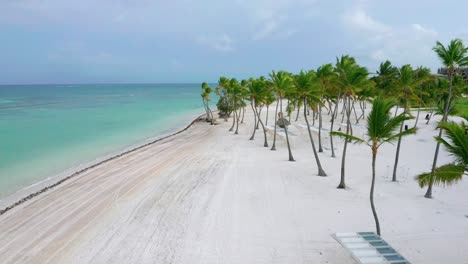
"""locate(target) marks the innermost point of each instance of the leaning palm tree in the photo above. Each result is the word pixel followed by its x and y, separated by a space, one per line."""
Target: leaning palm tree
pixel 281 83
pixel 386 75
pixel 223 93
pixel 406 83
pixel 381 128
pixel 453 56
pixel 351 78
pixel 457 146
pixel 206 91
pixel 308 91
pixel 325 75
pixel 258 91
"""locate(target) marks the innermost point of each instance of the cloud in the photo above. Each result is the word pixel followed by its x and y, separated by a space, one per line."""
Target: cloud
pixel 358 20
pixel 420 29
pixel 222 43
pixel 401 44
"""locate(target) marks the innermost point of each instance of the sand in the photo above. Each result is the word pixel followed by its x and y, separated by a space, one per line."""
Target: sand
pixel 208 196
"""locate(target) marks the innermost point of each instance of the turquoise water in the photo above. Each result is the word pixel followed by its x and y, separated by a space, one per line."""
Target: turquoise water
pixel 48 129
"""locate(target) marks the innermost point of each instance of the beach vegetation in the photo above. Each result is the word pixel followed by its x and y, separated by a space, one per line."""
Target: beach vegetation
pixel 381 128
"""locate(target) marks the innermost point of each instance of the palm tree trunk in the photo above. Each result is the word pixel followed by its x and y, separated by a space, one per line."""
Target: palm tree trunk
pixel 430 115
pixel 397 155
pixel 233 119
pixel 211 114
pixel 344 108
pixel 255 121
pixel 342 184
pixel 436 154
pixel 206 110
pixel 265 144
pixel 417 116
pixel 331 126
pixel 243 114
pixel 227 106
pixel 355 114
pixel 297 114
pixel 320 130
pixel 266 120
pixel 276 119
pixel 258 120
pixel 396 111
pixel 237 121
pixel 371 196
pixel 291 158
pixel 321 172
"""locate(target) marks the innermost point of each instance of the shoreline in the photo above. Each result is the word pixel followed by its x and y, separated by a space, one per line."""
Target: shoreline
pixel 57 180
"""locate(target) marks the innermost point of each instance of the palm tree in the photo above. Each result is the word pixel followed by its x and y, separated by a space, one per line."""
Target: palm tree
pixel 351 78
pixel 457 145
pixel 452 56
pixel 423 73
pixel 381 128
pixel 258 91
pixel 270 98
pixel 406 83
pixel 324 74
pixel 307 91
pixel 281 83
pixel 233 83
pixel 206 91
pixel 237 94
pixel 386 75
pixel 332 95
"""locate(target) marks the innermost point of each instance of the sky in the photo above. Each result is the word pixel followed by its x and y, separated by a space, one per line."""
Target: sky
pixel 145 41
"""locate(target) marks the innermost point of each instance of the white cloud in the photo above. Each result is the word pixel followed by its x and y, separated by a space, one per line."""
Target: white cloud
pixel 400 44
pixel 223 42
pixel 426 31
pixel 359 20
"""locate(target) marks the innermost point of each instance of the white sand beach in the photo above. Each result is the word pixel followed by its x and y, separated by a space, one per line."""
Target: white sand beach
pixel 208 196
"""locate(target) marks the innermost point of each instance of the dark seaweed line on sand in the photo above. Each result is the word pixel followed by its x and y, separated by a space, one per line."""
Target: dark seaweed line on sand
pixel 43 190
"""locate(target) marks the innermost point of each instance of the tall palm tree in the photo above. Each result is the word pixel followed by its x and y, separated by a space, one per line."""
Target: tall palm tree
pixel 386 75
pixel 423 73
pixel 308 91
pixel 452 56
pixel 258 92
pixel 351 78
pixel 206 91
pixel 381 127
pixel 237 95
pixel 325 75
pixel 223 93
pixel 457 145
pixel 406 83
pixel 270 99
pixel 233 84
pixel 281 83
pixel 332 95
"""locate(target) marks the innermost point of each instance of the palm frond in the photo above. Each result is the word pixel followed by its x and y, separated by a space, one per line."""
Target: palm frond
pixel 444 175
pixel 394 137
pixel 347 137
pixel 458 145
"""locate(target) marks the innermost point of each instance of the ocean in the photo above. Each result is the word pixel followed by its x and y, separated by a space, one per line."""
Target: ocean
pixel 46 130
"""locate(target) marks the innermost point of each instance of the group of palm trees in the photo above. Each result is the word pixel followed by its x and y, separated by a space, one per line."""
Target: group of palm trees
pixel 351 86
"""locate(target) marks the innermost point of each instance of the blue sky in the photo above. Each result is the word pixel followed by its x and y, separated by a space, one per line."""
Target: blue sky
pixel 121 41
